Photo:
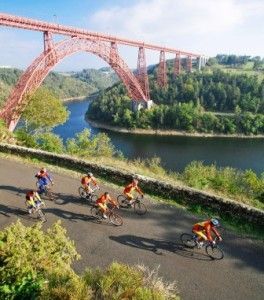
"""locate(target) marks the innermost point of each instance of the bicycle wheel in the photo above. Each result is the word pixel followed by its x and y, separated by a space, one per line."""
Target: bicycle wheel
pixel 140 208
pixel 42 215
pixel 92 199
pixel 115 219
pixel 122 201
pixel 188 240
pixel 214 252
pixel 49 194
pixel 95 212
pixel 82 192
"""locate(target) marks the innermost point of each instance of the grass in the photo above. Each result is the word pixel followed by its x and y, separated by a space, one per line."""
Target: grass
pixel 244 69
pixel 229 223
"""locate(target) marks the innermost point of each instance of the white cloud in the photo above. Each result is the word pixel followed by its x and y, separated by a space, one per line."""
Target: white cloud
pixel 165 21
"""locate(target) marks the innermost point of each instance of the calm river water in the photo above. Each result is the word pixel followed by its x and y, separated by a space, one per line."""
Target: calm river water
pixel 175 152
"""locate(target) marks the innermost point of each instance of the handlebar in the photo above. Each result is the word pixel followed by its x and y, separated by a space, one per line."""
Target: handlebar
pixel 95 188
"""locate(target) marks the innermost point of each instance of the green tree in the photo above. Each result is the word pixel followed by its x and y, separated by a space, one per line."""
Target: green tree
pixel 50 142
pixel 44 111
pixel 5 135
pixel 85 145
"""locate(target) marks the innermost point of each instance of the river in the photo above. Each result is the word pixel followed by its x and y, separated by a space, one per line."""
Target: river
pixel 175 151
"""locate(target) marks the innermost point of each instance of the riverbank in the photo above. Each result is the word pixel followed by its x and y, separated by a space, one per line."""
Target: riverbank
pixel 161 132
pixel 71 99
pixel 80 98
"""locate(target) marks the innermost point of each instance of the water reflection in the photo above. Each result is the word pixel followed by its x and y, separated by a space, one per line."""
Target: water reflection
pixel 175 152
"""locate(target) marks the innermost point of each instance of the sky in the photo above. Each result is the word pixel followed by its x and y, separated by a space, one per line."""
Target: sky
pixel 205 26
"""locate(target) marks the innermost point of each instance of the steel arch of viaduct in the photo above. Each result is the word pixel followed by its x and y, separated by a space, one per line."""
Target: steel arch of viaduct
pixel 42 65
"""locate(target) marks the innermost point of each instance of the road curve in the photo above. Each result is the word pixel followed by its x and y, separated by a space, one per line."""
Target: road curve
pixel 152 239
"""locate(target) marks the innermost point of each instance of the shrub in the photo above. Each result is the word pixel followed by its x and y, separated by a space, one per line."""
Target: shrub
pixel 50 142
pixel 28 255
pixel 245 186
pixel 25 139
pixel 66 287
pixel 197 175
pixel 37 265
pixel 5 134
pixel 120 281
pixel 84 145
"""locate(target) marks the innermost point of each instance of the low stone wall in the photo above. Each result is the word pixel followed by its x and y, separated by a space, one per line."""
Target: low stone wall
pixel 184 195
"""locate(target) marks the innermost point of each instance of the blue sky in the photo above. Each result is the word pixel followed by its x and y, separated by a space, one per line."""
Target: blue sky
pixel 205 26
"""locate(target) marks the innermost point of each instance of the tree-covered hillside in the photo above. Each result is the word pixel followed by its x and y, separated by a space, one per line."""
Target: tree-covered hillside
pixel 73 85
pixel 101 79
pixel 211 101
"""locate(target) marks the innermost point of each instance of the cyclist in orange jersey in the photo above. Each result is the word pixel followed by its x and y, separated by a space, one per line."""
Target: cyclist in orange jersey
pixel 87 180
pixel 203 231
pixel 133 186
pixel 103 201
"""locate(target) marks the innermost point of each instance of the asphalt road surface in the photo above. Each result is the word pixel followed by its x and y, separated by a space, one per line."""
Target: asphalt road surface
pixel 152 239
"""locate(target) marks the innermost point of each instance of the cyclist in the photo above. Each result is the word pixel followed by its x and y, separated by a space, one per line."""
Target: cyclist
pixel 133 186
pixel 203 231
pixel 102 203
pixel 43 180
pixel 86 182
pixel 33 200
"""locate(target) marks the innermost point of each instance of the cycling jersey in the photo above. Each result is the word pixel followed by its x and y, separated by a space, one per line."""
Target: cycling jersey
pixel 43 177
pixel 32 198
pixel 88 180
pixel 132 187
pixel 104 199
pixel 204 229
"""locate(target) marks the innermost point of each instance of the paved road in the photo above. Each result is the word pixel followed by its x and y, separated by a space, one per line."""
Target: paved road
pixel 152 239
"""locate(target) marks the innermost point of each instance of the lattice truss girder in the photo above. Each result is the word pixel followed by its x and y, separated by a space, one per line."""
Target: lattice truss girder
pixel 177 64
pixel 142 74
pixel 162 70
pixel 42 65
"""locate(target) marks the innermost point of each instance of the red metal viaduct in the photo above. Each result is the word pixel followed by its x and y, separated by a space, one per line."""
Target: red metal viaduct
pixel 102 45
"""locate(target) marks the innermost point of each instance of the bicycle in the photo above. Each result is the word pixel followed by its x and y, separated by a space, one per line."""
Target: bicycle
pixel 112 216
pixel 47 191
pixel 139 207
pixel 37 210
pixel 211 249
pixel 89 196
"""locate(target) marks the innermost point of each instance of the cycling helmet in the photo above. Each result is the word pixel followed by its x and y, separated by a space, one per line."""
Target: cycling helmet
pixel 43 170
pixel 90 174
pixel 135 180
pixel 215 222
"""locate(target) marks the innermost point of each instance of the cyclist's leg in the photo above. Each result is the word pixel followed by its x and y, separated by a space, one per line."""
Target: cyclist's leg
pixel 85 186
pixel 103 209
pixel 41 188
pixel 129 197
pixel 30 209
pixel 38 203
pixel 89 190
pixel 200 235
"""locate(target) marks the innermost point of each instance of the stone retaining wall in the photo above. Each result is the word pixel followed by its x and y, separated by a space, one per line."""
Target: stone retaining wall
pixel 182 194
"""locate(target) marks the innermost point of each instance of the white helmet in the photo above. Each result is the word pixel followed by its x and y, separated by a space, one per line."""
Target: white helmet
pixel 215 222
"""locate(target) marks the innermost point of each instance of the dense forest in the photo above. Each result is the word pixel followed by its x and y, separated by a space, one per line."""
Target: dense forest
pixel 211 101
pixel 65 85
pixel 101 79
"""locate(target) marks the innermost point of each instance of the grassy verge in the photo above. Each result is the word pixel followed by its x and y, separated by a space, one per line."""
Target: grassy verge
pixel 233 224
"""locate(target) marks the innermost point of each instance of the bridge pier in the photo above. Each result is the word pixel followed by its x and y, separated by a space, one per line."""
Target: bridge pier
pixel 141 104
